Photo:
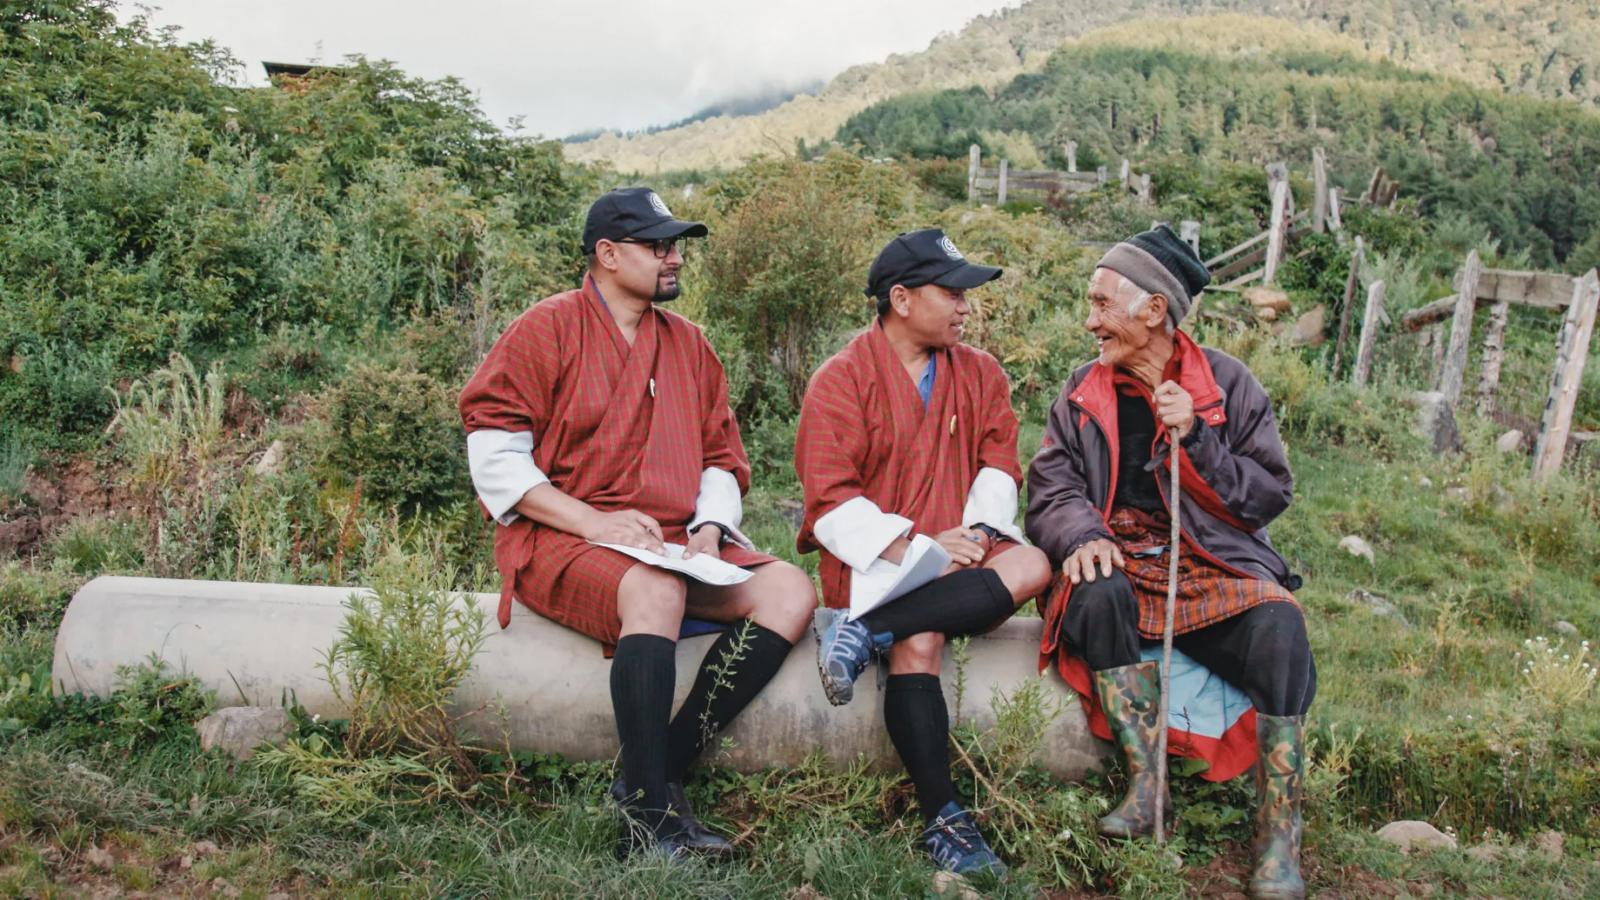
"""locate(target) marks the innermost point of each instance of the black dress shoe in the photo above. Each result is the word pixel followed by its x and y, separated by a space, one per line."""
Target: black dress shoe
pixel 693 835
pixel 697 836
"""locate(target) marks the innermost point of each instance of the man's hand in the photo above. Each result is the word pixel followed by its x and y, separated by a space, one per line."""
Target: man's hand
pixel 626 526
pixel 966 546
pixel 1174 408
pixel 706 539
pixel 1080 566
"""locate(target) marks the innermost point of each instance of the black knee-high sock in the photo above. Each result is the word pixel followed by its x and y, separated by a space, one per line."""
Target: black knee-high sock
pixel 919 726
pixel 642 674
pixel 964 602
pixel 730 677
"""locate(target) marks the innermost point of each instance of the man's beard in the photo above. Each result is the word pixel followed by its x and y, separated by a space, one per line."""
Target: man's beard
pixel 665 295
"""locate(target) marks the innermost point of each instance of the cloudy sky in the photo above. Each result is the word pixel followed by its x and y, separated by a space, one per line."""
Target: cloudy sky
pixel 571 66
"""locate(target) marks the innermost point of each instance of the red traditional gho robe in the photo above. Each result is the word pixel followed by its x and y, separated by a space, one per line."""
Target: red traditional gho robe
pixel 865 433
pixel 615 426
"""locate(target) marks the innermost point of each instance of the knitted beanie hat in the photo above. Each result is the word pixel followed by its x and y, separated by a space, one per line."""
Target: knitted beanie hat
pixel 1160 262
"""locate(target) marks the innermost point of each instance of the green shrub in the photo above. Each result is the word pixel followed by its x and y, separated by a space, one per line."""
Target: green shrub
pixel 98 545
pixel 30 596
pixel 15 459
pixel 782 273
pixel 151 704
pixel 401 653
pixel 397 433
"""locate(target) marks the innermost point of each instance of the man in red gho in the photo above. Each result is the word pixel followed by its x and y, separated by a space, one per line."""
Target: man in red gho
pixel 598 416
pixel 907 432
pixel 1097 504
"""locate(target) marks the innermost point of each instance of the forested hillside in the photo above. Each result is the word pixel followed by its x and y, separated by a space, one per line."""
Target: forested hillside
pixel 1507 46
pixel 146 209
pixel 1523 168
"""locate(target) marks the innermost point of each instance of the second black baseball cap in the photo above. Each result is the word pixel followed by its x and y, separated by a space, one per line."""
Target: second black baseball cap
pixel 916 258
pixel 634 212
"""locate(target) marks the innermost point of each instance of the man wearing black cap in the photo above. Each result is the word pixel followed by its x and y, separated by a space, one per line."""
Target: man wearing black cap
pixel 601 418
pixel 1097 505
pixel 907 440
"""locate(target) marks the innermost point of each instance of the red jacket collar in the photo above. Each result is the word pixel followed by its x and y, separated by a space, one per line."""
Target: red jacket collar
pixel 1097 393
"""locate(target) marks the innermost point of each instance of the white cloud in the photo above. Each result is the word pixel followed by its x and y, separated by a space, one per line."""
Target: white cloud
pixel 567 67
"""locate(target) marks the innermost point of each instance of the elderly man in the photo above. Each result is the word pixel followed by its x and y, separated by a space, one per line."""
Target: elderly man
pixel 907 433
pixel 599 417
pixel 1098 506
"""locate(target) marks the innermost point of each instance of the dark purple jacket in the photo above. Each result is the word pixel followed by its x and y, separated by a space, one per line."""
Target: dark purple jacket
pixel 1234 473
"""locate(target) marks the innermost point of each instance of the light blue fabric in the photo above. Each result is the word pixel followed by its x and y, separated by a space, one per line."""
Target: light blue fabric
pixel 1202 703
pixel 925 386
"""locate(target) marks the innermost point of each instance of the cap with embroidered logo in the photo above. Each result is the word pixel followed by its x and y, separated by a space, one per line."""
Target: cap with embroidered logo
pixel 916 258
pixel 637 213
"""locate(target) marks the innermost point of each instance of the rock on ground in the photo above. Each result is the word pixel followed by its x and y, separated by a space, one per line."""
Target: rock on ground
pixel 1262 297
pixel 1552 844
pixel 271 462
pixel 1356 546
pixel 1307 330
pixel 239 730
pixel 1411 834
pixel 1436 421
pixel 1510 442
pixel 1565 628
pixel 1379 604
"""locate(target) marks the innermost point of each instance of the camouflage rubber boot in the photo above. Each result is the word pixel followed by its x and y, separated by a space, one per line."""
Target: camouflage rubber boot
pixel 1280 789
pixel 1130 696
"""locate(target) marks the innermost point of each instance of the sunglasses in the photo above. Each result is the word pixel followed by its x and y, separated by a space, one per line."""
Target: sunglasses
pixel 662 247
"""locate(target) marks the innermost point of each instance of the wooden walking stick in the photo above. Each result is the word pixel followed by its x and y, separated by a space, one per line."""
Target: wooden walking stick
pixel 1166 646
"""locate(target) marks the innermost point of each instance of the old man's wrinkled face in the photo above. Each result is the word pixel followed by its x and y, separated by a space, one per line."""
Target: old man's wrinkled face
pixel 1118 318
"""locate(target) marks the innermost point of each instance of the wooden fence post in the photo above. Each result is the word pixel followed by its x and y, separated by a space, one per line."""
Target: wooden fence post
pixel 1124 172
pixel 1072 156
pixel 1455 360
pixel 1369 334
pixel 1100 173
pixel 1494 352
pixel 1277 225
pixel 1001 200
pixel 1319 191
pixel 1571 354
pixel 1335 222
pixel 973 155
pixel 1144 188
pixel 1189 232
pixel 1356 258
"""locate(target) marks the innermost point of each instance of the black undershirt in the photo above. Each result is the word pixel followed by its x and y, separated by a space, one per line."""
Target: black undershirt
pixel 1136 427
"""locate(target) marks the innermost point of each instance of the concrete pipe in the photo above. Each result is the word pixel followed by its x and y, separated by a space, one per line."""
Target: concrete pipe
pixel 262 645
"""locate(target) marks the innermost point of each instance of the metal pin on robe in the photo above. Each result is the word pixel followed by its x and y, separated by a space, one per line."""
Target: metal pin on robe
pixel 952 426
pixel 652 387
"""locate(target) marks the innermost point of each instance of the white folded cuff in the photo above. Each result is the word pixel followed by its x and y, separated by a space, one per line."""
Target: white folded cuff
pixel 719 501
pixel 502 469
pixel 857 532
pixel 992 501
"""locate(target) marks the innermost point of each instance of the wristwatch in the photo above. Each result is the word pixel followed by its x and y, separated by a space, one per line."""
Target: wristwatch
pixel 995 535
pixel 721 529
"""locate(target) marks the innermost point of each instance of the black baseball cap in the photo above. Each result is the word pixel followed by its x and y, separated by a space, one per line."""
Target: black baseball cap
pixel 634 212
pixel 916 258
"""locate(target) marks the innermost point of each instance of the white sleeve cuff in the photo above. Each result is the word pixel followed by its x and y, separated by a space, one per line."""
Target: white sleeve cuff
pixel 992 501
pixel 857 532
pixel 719 501
pixel 502 469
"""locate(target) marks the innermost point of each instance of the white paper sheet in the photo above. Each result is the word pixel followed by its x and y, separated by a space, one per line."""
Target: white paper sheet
pixel 700 567
pixel 884 581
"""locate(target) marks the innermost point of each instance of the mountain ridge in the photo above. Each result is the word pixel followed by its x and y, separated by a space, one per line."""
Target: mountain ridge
pixel 1514 46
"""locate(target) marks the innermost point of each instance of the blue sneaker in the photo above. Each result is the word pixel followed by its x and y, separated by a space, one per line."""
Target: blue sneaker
pixel 843 650
pixel 955 844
